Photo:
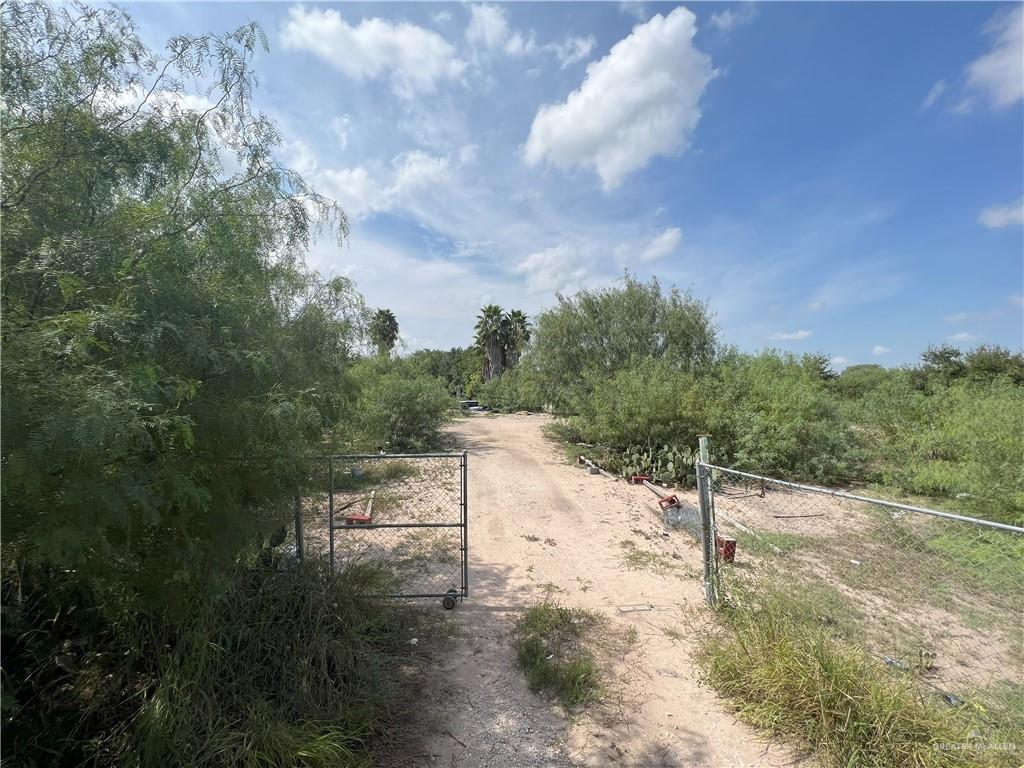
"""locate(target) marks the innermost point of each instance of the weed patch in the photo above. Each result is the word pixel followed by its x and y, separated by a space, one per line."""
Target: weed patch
pixel 636 559
pixel 784 663
pixel 282 669
pixel 553 647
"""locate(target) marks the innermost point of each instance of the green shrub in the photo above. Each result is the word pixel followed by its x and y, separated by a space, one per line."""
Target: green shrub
pixel 595 334
pixel 513 390
pixel 964 442
pixel 458 367
pixel 650 403
pixel 398 408
pixel 773 414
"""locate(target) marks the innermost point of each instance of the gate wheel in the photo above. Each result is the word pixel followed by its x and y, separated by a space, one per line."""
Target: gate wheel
pixel 448 601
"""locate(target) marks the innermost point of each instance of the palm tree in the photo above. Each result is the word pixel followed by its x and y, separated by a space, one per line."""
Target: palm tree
pixel 491 331
pixel 517 336
pixel 384 331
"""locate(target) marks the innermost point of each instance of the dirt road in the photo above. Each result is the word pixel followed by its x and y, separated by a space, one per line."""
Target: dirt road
pixel 539 526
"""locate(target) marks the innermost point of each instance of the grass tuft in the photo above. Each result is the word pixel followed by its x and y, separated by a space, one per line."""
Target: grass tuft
pixel 281 668
pixel 551 647
pixel 791 673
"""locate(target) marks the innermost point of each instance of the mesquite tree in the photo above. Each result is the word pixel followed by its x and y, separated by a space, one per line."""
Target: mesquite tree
pixel 168 358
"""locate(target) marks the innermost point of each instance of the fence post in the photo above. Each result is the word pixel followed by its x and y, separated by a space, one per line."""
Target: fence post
pixel 300 534
pixel 707 532
pixel 330 515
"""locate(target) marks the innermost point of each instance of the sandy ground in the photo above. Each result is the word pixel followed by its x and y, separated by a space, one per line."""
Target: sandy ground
pixel 585 528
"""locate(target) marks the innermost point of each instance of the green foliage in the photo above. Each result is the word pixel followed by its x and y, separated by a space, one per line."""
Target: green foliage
pixel 944 365
pixel 516 337
pixel 398 408
pixel 775 415
pixel 460 368
pixel 169 365
pixel 491 333
pixel 593 335
pixel 551 648
pixel 168 359
pixel 514 390
pixel 383 331
pixel 501 338
pixel 284 668
pixel 769 413
pixel 857 380
pixel 651 403
pixel 779 661
pixel 964 441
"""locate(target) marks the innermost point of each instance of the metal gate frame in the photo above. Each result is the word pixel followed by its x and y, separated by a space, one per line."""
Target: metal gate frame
pixel 450 596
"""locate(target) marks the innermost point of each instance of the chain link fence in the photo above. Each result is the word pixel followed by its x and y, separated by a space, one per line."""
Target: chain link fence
pixel 407 512
pixel 929 594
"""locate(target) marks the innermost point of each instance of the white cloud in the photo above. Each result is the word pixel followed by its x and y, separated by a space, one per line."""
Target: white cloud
pixel 488 28
pixel 417 170
pixel 634 8
pixel 299 156
pixel 552 270
pixel 442 18
pixel 726 21
pixel 353 188
pixel 933 94
pixel 1017 299
pixel 414 59
pixel 959 317
pixel 389 276
pixel 838 362
pixel 879 350
pixel 790 335
pixel 639 101
pixel 998 216
pixel 998 74
pixel 131 98
pixel 663 245
pixel 360 194
pixel 341 127
pixel 963 336
pixel 572 49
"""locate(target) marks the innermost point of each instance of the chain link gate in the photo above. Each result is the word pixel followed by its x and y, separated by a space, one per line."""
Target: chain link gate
pixel 407 511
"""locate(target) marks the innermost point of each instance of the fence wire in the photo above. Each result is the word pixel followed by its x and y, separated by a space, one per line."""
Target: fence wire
pixel 404 512
pixel 939 598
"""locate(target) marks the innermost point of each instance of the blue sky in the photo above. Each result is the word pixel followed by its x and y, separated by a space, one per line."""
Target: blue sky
pixel 845 178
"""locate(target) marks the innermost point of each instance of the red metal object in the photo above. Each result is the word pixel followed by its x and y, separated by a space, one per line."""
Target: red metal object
pixel 726 548
pixel 668 502
pixel 357 518
pixel 637 479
